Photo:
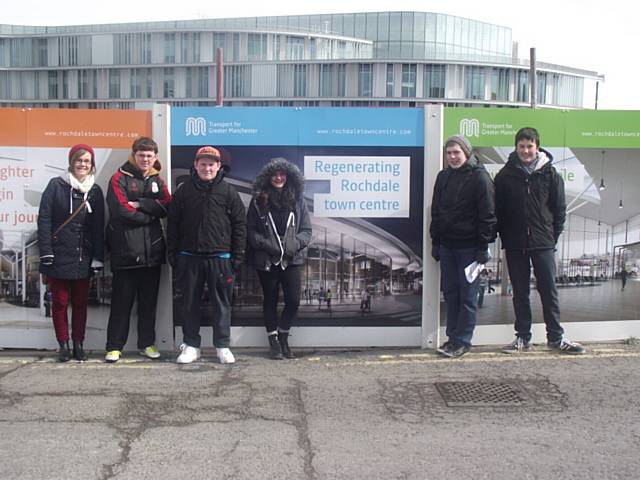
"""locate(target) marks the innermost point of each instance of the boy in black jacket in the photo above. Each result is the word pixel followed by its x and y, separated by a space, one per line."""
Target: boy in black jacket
pixel 531 210
pixel 206 237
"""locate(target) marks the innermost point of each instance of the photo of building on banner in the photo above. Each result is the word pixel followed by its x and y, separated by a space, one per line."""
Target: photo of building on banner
pixel 596 155
pixel 34 149
pixel 363 173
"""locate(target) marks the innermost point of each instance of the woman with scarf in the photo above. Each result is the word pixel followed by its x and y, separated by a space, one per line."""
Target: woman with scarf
pixel 279 231
pixel 70 238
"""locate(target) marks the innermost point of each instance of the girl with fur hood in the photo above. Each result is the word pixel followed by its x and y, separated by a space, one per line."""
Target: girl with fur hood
pixel 279 231
pixel 70 229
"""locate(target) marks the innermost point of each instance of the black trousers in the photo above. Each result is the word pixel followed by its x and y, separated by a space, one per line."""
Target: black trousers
pixel 271 281
pixel 191 276
pixel 544 269
pixel 127 286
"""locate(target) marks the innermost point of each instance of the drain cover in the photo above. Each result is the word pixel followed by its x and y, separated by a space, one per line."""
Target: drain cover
pixel 481 394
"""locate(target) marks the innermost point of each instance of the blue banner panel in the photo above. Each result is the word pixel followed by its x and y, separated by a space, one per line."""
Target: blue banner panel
pixel 403 127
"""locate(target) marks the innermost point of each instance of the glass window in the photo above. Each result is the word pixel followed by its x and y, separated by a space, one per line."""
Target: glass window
pixel 372 26
pixel 390 81
pixel 407 26
pixel 256 46
pixel 114 83
pixel 499 84
pixel 409 80
pixel 342 80
pixel 383 26
pixel 168 84
pixel 349 25
pixel 365 80
pixel 395 26
pixel 326 89
pixel 434 81
pixel 360 25
pixel 419 25
pixel 295 48
pixel 522 86
pixel 474 82
pixel 300 81
pixel 169 48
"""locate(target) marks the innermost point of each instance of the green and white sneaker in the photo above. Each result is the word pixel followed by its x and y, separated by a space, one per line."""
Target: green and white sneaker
pixel 150 352
pixel 112 356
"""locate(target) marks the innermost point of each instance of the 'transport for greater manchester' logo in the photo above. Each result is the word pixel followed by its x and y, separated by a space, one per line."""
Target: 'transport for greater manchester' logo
pixel 470 127
pixel 195 126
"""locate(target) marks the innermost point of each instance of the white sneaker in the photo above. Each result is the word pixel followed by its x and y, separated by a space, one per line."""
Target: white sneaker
pixel 225 355
pixel 188 355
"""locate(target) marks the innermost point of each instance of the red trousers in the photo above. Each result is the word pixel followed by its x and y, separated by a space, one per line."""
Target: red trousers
pixel 63 292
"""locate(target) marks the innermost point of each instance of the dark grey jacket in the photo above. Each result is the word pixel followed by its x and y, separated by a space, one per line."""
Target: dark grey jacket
pixel 266 247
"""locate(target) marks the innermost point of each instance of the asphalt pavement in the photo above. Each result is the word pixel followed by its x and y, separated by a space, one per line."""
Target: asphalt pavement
pixel 329 414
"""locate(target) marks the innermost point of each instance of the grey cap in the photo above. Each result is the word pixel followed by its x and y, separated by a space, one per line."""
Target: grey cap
pixel 462 142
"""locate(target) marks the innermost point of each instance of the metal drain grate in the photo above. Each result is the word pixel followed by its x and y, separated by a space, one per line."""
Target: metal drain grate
pixel 481 394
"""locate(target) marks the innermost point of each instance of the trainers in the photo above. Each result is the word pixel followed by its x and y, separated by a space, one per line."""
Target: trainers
pixel 112 356
pixel 568 347
pixel 443 347
pixel 517 346
pixel 225 355
pixel 188 355
pixel 150 352
pixel 452 350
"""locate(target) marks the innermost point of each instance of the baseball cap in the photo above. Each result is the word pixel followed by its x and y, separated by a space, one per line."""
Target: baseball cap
pixel 208 152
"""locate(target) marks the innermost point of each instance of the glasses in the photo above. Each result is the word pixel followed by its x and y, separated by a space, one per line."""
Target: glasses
pixel 81 161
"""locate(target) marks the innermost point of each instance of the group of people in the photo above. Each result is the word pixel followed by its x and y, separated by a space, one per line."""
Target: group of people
pixel 525 205
pixel 209 234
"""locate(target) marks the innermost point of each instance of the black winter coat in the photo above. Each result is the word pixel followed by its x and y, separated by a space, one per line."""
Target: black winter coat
pixel 81 240
pixel 266 248
pixel 531 209
pixel 206 218
pixel 463 209
pixel 134 235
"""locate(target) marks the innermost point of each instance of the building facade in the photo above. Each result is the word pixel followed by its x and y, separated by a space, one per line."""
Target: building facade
pixel 359 59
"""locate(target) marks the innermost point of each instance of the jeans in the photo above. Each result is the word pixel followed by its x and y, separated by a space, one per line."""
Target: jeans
pixel 459 295
pixel 519 263
pixel 271 281
pixel 64 292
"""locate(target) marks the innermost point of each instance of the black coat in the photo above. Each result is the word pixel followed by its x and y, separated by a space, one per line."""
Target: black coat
pixel 134 235
pixel 266 248
pixel 206 218
pixel 278 234
pixel 463 209
pixel 81 240
pixel 531 209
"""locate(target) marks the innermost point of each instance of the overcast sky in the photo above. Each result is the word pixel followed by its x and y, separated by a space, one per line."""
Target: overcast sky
pixel 601 36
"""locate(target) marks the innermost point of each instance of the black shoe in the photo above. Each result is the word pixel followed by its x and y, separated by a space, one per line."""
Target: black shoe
pixel 443 347
pixel 568 347
pixel 455 351
pixel 284 345
pixel 78 352
pixel 64 355
pixel 274 347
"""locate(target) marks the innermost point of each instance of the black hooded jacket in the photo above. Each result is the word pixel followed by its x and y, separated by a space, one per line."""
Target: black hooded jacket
pixel 462 211
pixel 531 208
pixel 135 235
pixel 278 234
pixel 206 218
pixel 77 243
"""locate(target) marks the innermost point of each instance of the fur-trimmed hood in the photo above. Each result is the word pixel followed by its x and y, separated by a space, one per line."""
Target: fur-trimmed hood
pixel 295 179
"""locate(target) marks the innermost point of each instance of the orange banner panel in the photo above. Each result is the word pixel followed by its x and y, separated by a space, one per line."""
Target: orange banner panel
pixel 48 127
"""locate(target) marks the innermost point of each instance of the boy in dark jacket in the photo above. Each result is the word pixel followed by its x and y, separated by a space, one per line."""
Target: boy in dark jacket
pixel 206 236
pixel 137 199
pixel 462 226
pixel 531 210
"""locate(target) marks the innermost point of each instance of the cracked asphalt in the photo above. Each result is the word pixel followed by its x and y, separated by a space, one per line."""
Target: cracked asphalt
pixel 329 414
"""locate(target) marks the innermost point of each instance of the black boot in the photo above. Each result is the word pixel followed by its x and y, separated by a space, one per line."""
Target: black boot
pixel 274 347
pixel 283 337
pixel 64 355
pixel 78 352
